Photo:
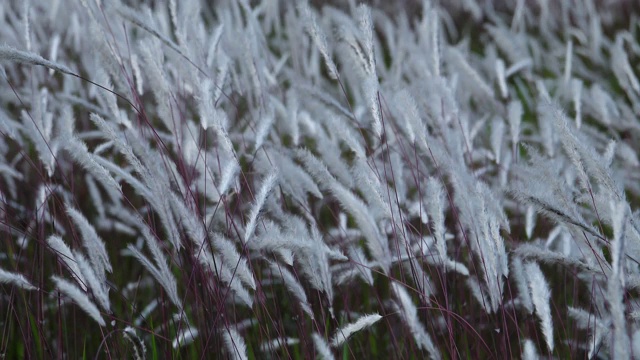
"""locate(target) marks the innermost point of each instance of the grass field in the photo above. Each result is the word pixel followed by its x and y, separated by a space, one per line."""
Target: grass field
pixel 282 179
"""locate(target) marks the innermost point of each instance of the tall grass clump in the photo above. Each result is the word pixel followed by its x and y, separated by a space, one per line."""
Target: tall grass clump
pixel 292 179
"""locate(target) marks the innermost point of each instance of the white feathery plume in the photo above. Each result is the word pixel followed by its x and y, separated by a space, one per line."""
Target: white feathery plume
pixel 362 265
pixel 342 334
pixel 323 349
pixel 366 28
pixel 125 175
pixel 409 314
pixel 234 343
pixel 599 101
pixel 8 126
pixel 635 343
pixel 598 328
pixel 371 88
pixel 334 163
pixel 548 136
pixel 428 36
pixel 370 83
pixel 489 246
pixel 529 251
pixel 318 36
pixel 529 351
pixel 16 279
pixel 94 194
pixel 80 298
pixel 226 275
pixel 95 247
pixel 622 68
pixel 263 127
pixel 261 197
pixel 576 90
pixel 99 289
pixel 436 209
pixel 157 78
pixel 161 273
pixel 232 259
pixel 377 244
pixel 368 183
pixel 79 152
pixel 137 74
pixel 510 44
pixel 530 221
pixel 109 98
pixel 214 45
pixel 584 158
pixel 520 65
pixel 11 173
pixel 66 256
pixel 475 81
pixel 628 154
pixel 609 153
pixel 520 278
pixel 474 285
pixel 26 24
pixel 109 133
pixel 317 259
pixel 185 337
pixel 205 103
pixel 540 296
pixel 197 233
pixel 11 54
pixel 294 181
pixel 409 109
pixel 277 343
pixel 514 112
pixel 37 132
pixel 616 282
pixel 502 78
pixel 134 16
pixel 228 175
pixel 569 143
pixel 293 286
pixel 139 349
pixel 568 62
pixel 497 134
